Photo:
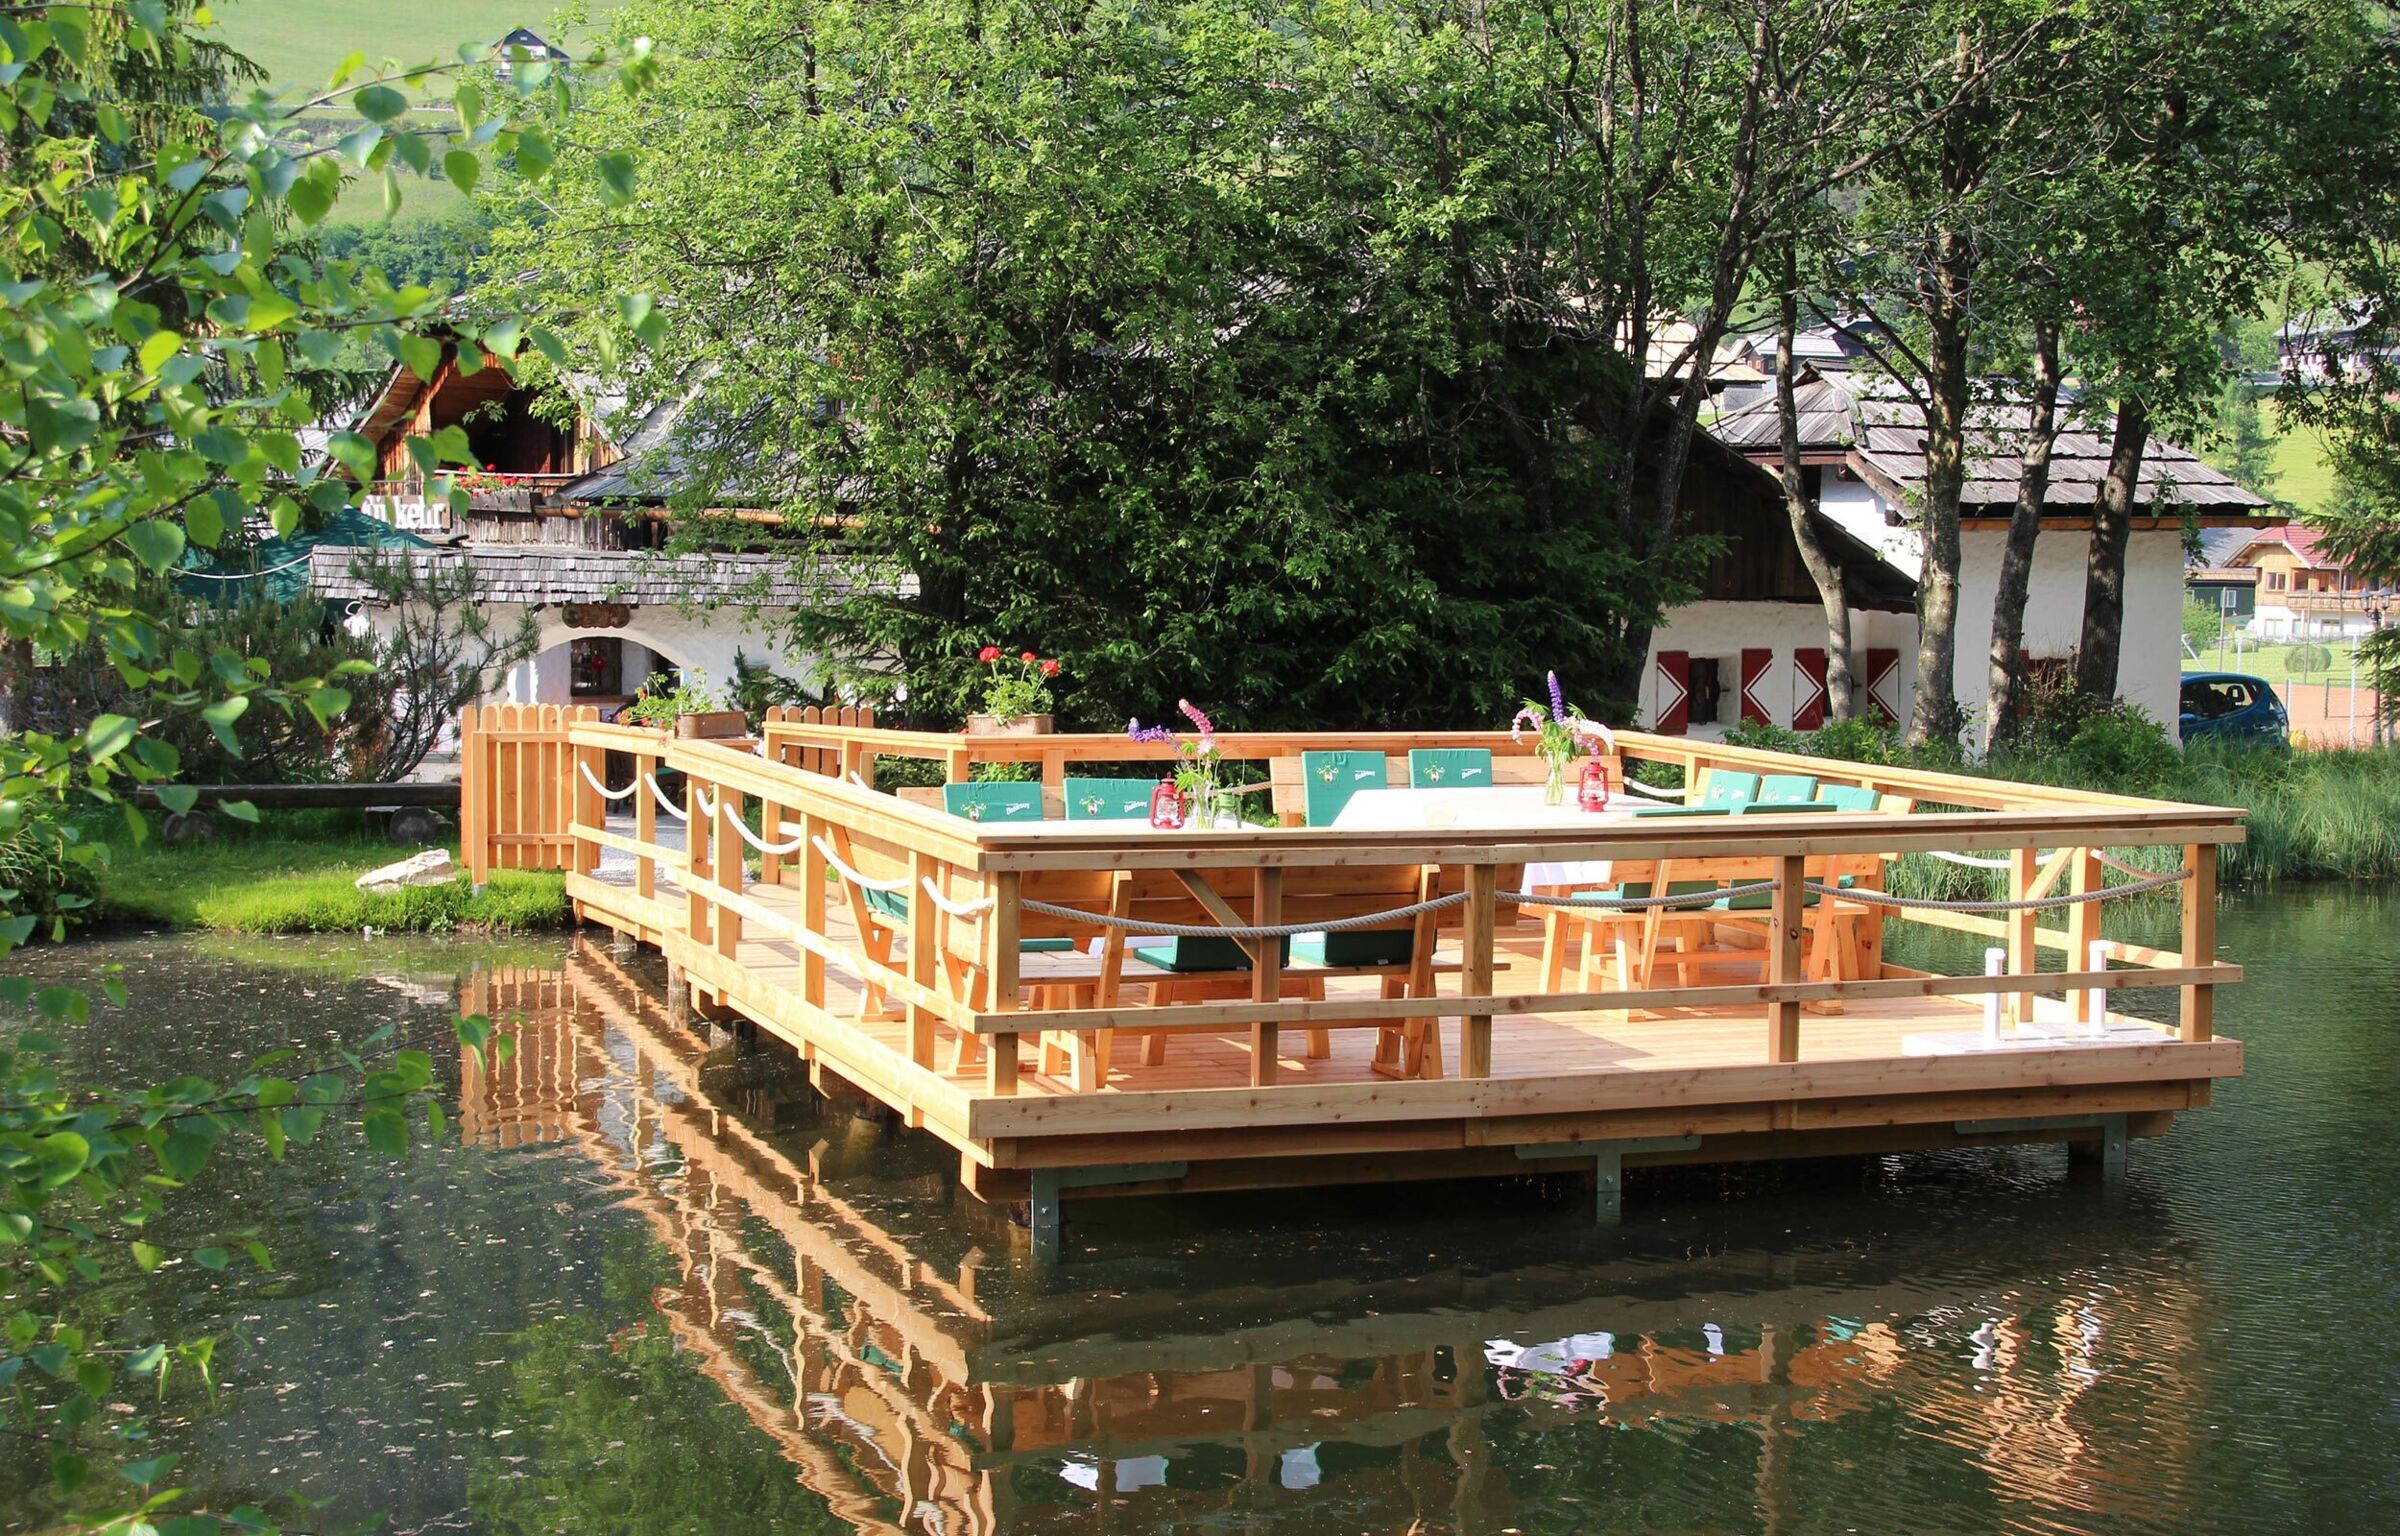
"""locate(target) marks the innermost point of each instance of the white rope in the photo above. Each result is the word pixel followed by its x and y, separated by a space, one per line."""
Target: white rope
pixel 754 840
pixel 1654 791
pixel 957 908
pixel 855 878
pixel 1968 859
pixel 2119 865
pixel 660 795
pixel 2029 904
pixel 600 789
pixel 243 575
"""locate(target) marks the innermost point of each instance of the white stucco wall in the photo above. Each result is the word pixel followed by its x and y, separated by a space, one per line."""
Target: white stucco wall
pixel 1724 630
pixel 2150 665
pixel 702 640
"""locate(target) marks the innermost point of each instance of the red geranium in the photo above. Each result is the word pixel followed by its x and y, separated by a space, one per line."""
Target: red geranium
pixel 988 653
pixel 1050 668
pixel 1027 657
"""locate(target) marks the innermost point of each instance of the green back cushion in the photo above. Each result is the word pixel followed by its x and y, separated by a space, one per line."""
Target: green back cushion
pixel 1849 797
pixel 1786 789
pixel 1728 791
pixel 1109 799
pixel 1199 955
pixel 1450 768
pixel 889 903
pixel 1784 808
pixel 1329 779
pixel 993 801
pixel 1366 946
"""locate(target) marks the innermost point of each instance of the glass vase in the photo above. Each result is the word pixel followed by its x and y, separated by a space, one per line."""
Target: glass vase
pixel 1554 783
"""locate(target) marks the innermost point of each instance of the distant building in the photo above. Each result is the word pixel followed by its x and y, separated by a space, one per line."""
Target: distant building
pixel 2296 590
pixel 1862 452
pixel 531 44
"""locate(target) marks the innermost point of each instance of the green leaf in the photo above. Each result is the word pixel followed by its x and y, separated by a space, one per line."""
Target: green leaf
pixel 148 1256
pixel 616 179
pixel 203 522
pixel 239 810
pixel 220 717
pixel 185 1152
pixel 379 103
pixel 107 735
pixel 62 1155
pixel 464 167
pixel 387 1131
pixel 178 798
pixel 157 543
pixel 157 349
pixel 144 1473
pixel 68 1470
pixel 534 154
pixel 211 1258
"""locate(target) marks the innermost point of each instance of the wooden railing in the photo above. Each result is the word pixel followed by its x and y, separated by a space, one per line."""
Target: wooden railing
pixel 943 945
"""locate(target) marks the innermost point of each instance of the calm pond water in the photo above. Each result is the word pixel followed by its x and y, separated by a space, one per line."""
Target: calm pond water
pixel 647 1288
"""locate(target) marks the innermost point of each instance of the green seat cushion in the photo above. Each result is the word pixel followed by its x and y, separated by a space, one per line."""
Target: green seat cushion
pixel 1198 955
pixel 1684 810
pixel 994 800
pixel 892 904
pixel 1785 808
pixel 1450 768
pixel 1329 779
pixel 1365 946
pixel 1059 946
pixel 1728 791
pixel 1849 797
pixel 1786 789
pixel 1109 799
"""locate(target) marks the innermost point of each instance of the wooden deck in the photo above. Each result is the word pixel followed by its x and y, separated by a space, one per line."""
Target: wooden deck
pixel 881 940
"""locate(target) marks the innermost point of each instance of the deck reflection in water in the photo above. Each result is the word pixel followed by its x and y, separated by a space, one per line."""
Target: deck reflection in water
pixel 889 1335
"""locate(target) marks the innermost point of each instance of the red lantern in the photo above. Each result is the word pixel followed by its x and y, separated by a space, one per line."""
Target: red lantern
pixel 1592 794
pixel 1166 806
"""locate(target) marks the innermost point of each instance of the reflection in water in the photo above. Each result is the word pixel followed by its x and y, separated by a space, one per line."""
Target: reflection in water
pixel 886 1336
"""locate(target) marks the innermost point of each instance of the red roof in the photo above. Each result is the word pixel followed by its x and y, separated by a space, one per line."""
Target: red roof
pixel 2299 538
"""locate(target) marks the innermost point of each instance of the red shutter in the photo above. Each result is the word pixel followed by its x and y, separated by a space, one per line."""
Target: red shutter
pixel 1808 689
pixel 1674 693
pixel 1754 672
pixel 1883 685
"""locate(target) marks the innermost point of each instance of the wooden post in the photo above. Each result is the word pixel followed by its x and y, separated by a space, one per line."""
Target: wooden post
pixel 729 874
pixel 1783 958
pixel 2023 957
pixel 770 831
pixel 1000 963
pixel 645 825
pixel 2200 939
pixel 1266 973
pixel 1475 1029
pixel 697 828
pixel 814 873
pixel 924 961
pixel 2083 928
pixel 473 845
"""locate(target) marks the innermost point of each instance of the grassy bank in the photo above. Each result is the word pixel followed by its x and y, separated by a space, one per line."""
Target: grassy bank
pixel 294 883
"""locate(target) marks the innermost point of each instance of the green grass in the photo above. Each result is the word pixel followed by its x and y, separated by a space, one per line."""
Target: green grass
pixel 2273 662
pixel 289 884
pixel 300 43
pixel 2302 475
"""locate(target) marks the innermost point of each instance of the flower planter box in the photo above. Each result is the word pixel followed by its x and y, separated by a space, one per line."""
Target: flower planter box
pixel 1022 725
pixel 713 725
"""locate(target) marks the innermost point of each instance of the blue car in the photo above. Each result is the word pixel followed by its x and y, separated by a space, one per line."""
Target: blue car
pixel 2233 708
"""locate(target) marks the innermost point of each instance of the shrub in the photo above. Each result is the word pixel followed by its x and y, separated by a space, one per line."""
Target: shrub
pixel 2123 748
pixel 1760 736
pixel 2307 659
pixel 1855 740
pixel 46 874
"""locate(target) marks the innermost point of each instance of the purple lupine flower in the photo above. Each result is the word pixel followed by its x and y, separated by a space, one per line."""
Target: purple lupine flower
pixel 1191 713
pixel 1147 733
pixel 1558 700
pixel 1516 727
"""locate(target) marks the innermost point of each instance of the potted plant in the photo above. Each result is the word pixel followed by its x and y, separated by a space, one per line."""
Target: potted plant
pixel 1561 734
pixel 690 708
pixel 1016 694
pixel 1197 764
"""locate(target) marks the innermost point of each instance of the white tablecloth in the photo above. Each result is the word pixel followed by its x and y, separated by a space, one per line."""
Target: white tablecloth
pixel 1500 808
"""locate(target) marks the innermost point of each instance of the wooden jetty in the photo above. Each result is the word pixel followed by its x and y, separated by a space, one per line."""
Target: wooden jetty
pixel 987 980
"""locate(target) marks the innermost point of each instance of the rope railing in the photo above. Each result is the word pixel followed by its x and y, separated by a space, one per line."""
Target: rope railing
pixel 1638 903
pixel 1657 791
pixel 865 882
pixel 1972 861
pixel 1876 898
pixel 734 820
pixel 600 789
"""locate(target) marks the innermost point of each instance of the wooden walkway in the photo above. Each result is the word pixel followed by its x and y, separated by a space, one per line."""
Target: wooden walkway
pixel 886 943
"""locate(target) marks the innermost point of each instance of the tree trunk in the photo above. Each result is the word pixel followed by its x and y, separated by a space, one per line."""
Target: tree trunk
pixel 1936 714
pixel 1822 568
pixel 2007 678
pixel 2096 655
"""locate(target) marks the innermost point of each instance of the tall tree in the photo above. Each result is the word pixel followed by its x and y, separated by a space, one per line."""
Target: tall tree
pixel 2014 584
pixel 1824 571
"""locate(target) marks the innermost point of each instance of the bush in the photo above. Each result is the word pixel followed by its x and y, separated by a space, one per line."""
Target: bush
pixel 46 873
pixel 2307 659
pixel 2122 748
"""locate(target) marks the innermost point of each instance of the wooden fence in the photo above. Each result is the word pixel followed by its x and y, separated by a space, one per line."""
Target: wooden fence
pixel 516 789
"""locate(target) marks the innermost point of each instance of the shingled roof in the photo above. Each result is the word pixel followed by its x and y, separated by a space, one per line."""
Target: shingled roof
pixel 1881 434
pixel 535 573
